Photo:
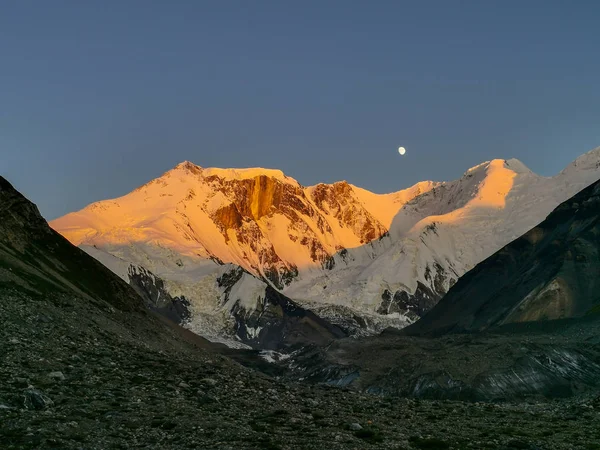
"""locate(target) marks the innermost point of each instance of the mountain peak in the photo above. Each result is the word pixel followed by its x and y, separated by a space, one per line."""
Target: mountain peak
pixel 186 165
pixel 587 161
pixel 232 173
pixel 514 164
pixel 16 211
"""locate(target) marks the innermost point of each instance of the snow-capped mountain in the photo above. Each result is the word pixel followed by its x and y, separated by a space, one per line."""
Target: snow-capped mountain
pixel 177 238
pixel 259 219
pixel 440 235
pixel 549 273
pixel 359 259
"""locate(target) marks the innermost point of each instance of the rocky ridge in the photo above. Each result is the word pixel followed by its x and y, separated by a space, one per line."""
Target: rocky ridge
pixel 259 219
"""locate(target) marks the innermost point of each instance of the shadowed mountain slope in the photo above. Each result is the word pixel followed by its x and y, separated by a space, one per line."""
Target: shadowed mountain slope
pixel 35 258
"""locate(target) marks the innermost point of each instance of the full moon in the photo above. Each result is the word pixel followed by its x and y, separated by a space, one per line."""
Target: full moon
pixel 401 150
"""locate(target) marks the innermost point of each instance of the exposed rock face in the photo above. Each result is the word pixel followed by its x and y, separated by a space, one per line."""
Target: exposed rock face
pixel 263 197
pixel 340 201
pixel 254 198
pixel 424 298
pixel 152 290
pixel 275 322
pixel 228 217
pixel 260 194
pixel 549 273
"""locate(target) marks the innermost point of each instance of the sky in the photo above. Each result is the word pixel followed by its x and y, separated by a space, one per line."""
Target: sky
pixel 99 97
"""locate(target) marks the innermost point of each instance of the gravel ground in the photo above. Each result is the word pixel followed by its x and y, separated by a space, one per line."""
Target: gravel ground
pixel 77 376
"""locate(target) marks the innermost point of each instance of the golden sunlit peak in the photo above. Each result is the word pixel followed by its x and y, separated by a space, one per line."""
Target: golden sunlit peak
pixel 508 163
pixel 512 164
pixel 497 184
pixel 233 173
pixel 187 165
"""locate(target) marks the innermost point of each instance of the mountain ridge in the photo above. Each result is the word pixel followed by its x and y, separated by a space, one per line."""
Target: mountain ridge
pixel 443 233
pixel 357 257
pixel 522 324
pixel 546 274
pixel 338 215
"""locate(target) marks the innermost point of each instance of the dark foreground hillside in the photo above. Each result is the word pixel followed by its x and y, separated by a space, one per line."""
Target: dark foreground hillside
pixel 104 382
pixel 84 365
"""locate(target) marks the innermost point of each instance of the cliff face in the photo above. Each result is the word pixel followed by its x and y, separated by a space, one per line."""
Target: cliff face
pixel 255 205
pixel 228 217
pixel 254 198
pixel 342 205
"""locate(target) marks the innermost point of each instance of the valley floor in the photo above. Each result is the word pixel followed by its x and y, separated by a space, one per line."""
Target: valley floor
pixel 75 378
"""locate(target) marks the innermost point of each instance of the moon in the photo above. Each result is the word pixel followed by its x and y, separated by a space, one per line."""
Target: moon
pixel 401 150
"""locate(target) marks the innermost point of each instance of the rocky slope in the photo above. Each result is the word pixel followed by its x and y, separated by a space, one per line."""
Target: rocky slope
pixel 86 365
pixel 33 258
pixel 518 362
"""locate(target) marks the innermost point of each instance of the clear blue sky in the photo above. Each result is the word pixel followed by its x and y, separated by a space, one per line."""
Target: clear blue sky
pixel 98 97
